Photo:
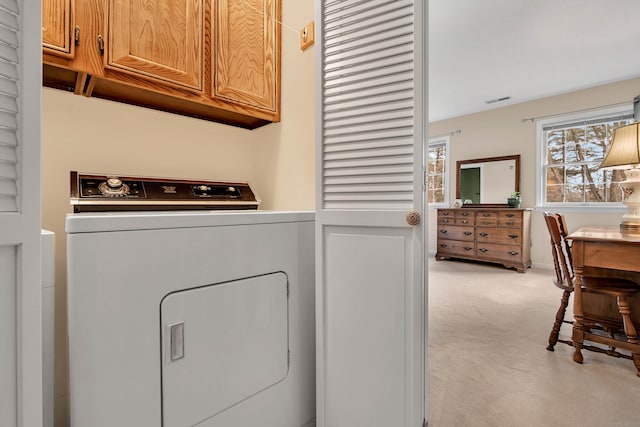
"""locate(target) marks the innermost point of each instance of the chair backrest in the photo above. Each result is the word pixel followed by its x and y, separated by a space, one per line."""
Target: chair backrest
pixel 561 250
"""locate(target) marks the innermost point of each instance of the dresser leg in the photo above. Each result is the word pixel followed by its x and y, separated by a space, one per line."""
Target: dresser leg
pixel 636 361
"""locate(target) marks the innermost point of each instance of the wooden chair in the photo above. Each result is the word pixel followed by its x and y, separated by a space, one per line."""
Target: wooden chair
pixel 610 328
pixel 563 264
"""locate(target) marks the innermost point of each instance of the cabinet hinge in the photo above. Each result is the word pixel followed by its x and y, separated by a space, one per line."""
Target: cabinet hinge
pixel 100 44
pixel 76 35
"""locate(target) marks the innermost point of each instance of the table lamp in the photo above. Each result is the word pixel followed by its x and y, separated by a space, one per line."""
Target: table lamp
pixel 624 153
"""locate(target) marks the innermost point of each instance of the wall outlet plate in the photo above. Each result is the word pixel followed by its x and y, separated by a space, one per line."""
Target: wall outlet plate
pixel 307 36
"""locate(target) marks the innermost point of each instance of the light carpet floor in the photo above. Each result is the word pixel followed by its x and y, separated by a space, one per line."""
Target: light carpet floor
pixel 488 364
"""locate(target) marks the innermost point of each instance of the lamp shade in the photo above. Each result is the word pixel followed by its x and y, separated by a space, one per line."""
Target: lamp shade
pixel 624 151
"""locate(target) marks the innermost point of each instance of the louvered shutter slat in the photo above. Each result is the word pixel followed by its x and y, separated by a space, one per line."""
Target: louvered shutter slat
pixel 357 105
pixel 373 172
pixel 11 6
pixel 9 171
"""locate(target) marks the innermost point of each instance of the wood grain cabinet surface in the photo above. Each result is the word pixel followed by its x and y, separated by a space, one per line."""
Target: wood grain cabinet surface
pixel 493 235
pixel 161 39
pixel 209 59
pixel 246 59
pixel 57 31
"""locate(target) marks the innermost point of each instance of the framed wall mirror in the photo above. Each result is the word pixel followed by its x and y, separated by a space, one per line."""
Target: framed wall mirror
pixel 487 182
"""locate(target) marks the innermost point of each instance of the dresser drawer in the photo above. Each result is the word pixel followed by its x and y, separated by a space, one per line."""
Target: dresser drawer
pixel 487 222
pixel 502 252
pixel 463 213
pixel 446 213
pixel 465 221
pixel 455 247
pixel 454 232
pixel 508 215
pixel 446 220
pixel 510 223
pixel 499 235
pixel 487 215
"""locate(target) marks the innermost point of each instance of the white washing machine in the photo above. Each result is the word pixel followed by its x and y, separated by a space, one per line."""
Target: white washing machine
pixel 191 318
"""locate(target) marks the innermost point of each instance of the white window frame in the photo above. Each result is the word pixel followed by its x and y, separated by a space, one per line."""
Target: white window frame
pixel 442 140
pixel 541 148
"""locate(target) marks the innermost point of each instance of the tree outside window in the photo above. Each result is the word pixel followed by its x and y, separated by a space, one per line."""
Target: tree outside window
pixel 573 153
pixel 437 182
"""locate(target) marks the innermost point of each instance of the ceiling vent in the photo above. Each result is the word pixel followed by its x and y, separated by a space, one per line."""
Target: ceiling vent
pixel 493 101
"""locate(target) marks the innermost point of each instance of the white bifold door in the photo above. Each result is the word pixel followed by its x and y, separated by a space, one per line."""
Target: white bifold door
pixel 370 287
pixel 20 298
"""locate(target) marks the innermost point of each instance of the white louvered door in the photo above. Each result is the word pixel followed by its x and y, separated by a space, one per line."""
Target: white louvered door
pixel 370 287
pixel 20 327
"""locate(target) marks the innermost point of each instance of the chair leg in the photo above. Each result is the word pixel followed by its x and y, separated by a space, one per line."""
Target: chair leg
pixel 555 331
pixel 629 329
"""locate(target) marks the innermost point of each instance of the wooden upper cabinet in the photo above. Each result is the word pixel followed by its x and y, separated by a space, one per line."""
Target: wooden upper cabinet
pixel 57 31
pixel 247 61
pixel 160 39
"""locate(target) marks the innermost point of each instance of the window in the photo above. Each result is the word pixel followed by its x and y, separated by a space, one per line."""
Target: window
pixel 437 169
pixel 571 150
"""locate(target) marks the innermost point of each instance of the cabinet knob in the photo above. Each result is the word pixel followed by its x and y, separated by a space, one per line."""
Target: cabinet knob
pixel 413 218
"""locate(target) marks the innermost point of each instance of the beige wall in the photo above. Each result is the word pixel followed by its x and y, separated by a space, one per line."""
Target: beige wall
pixel 501 132
pixel 93 135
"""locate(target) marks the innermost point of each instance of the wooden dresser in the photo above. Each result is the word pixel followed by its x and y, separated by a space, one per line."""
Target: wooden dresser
pixel 496 235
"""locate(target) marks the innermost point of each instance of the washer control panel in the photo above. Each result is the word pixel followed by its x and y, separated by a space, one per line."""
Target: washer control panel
pixel 93 192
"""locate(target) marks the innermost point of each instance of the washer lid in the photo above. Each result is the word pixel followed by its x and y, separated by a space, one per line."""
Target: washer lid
pixel 131 221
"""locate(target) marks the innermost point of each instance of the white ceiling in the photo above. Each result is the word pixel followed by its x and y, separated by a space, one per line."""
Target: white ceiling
pixel 526 49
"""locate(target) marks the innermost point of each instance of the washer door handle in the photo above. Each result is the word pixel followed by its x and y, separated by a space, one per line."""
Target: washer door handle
pixel 176 332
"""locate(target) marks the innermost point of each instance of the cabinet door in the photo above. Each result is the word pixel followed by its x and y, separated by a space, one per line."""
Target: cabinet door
pixel 161 39
pixel 246 65
pixel 56 27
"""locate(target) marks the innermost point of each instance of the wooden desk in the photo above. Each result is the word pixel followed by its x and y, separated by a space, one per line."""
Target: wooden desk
pixel 604 252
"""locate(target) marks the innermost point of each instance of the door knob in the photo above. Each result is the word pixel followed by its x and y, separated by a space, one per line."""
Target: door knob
pixel 413 218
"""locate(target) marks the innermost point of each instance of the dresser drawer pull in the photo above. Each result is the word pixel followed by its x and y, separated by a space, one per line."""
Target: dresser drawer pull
pixel 510 215
pixel 443 246
pixel 484 234
pixel 465 214
pixel 514 253
pixel 510 223
pixel 443 231
pixel 445 213
pixel 445 220
pixel 486 215
pixel 513 236
pixel 468 233
pixel 486 222
pixel 465 222
pixel 483 250
pixel 468 248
